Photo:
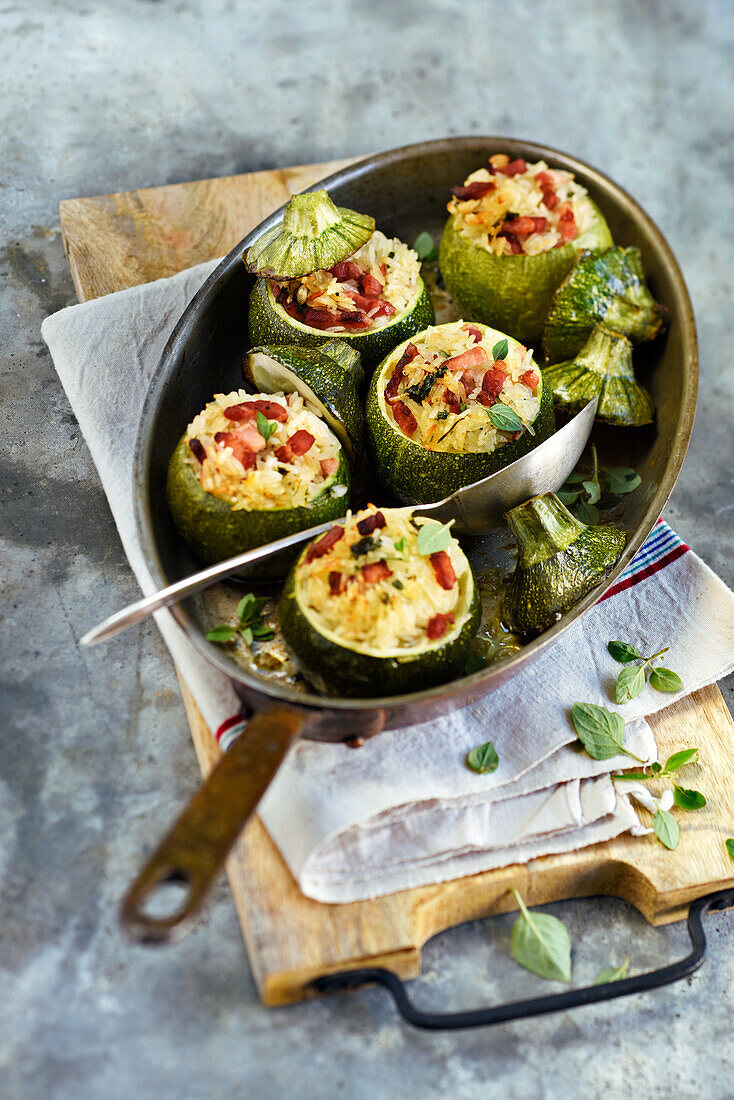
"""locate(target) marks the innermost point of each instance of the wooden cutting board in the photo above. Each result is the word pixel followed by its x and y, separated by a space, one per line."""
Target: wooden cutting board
pixel 117 241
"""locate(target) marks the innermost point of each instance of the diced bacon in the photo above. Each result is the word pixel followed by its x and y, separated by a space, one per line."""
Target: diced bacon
pixel 550 198
pixel 468 359
pixel 450 399
pixel 514 168
pixel 371 523
pixel 320 318
pixel 384 309
pixel 404 418
pixel 467 381
pixel 247 456
pixel 329 466
pixel 284 453
pixel 371 286
pixel 337 582
pixel 520 226
pixel 324 544
pixel 376 571
pixel 383 269
pixel 301 442
pixel 476 190
pixel 530 378
pixel 494 379
pixel 473 331
pixel 485 399
pixel 567 222
pixel 443 569
pixel 391 389
pixel 515 246
pixel 197 449
pixel 360 300
pixel 248 410
pixel 346 270
pixel 544 179
pixel 437 625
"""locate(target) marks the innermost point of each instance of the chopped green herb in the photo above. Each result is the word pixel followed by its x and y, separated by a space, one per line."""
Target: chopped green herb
pixel 420 390
pixel 400 544
pixel 364 546
pixel 433 537
pixel 265 426
pixel 398 584
pixel 442 415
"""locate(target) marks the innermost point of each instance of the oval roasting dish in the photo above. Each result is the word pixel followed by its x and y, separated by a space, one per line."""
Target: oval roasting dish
pixel 406 191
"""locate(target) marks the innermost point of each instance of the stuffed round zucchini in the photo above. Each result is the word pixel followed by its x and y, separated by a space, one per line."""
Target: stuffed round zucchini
pixel 369 294
pixel 513 233
pixel 380 605
pixel 253 468
pixel 453 406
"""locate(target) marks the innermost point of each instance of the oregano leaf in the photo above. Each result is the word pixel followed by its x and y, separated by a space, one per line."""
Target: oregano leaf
pixel 630 683
pixel 504 418
pixel 425 246
pixel 666 829
pixel 222 635
pixel 593 490
pixel 587 513
pixel 500 349
pixel 662 679
pixel 433 537
pixel 264 426
pixel 614 973
pixel 622 652
pixel 688 799
pixel 483 758
pixel 541 943
pixel 678 759
pixel 601 731
pixel 730 846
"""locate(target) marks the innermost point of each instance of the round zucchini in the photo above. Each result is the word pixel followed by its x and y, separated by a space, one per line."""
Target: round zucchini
pixel 418 475
pixel 559 560
pixel 270 324
pixel 215 530
pixel 359 671
pixel 512 292
pixel 325 378
pixel 603 367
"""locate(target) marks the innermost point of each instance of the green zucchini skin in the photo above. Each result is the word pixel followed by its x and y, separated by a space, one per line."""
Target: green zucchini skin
pixel 559 561
pixel 270 324
pixel 608 289
pixel 334 386
pixel 603 367
pixel 215 531
pixel 419 476
pixel 338 670
pixel 512 293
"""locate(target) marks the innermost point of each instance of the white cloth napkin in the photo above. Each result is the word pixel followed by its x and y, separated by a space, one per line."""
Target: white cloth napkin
pixel 404 810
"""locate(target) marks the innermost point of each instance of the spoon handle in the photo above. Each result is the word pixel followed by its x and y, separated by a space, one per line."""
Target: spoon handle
pixel 141 609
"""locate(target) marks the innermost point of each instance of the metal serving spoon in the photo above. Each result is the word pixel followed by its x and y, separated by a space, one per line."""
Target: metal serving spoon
pixel 475 509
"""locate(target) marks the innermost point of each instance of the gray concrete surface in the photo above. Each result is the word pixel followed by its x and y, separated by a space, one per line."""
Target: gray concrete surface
pixel 95 751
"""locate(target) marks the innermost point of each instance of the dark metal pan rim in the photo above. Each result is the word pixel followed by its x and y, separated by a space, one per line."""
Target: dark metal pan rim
pixel 483 681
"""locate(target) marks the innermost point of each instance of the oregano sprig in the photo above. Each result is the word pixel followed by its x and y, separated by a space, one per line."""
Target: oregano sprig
pixel 541 943
pixel 250 626
pixel 602 489
pixel 633 677
pixel 264 426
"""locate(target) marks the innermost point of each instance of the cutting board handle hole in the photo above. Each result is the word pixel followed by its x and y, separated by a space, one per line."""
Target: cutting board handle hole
pixel 168 899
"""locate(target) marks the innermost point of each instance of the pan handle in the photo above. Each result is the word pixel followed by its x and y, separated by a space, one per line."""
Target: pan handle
pixel 536 1006
pixel 194 850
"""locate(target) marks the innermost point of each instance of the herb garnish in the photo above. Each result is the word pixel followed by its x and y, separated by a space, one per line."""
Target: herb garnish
pixel 730 846
pixel 504 418
pixel 433 537
pixel 399 544
pixel 442 415
pixel 419 391
pixel 483 758
pixel 633 677
pixel 600 731
pixel 666 829
pixel 398 584
pixel 425 247
pixel 614 973
pixel 249 622
pixel 664 824
pixel 264 426
pixel 541 943
pixel 500 349
pixel 364 546
pixel 604 487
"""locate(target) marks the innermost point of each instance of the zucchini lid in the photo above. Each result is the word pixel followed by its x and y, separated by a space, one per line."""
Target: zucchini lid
pixel 512 292
pixel 418 475
pixel 313 235
pixel 609 289
pixel 326 378
pixel 603 367
pixel 559 561
pixel 336 668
